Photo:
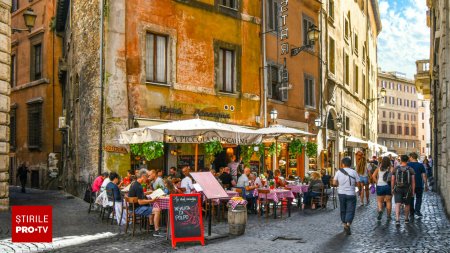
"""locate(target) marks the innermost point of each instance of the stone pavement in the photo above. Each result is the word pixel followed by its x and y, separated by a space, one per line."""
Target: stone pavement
pixel 308 231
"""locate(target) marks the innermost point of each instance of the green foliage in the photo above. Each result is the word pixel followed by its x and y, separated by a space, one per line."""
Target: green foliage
pixel 246 153
pixel 296 147
pixel 149 150
pixel 311 149
pixel 213 148
pixel 272 149
pixel 271 182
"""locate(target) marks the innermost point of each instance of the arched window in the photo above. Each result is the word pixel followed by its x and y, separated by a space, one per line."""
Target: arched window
pixel 330 122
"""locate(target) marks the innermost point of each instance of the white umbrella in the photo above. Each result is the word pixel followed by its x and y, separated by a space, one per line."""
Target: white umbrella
pixel 389 153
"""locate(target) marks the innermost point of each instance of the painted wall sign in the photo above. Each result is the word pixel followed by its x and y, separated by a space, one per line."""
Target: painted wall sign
pixel 166 109
pixel 113 149
pixel 212 114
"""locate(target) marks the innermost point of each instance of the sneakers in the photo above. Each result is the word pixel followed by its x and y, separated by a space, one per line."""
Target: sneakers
pixel 158 233
pixel 380 215
pixel 397 223
pixel 419 214
pixel 406 221
pixel 347 230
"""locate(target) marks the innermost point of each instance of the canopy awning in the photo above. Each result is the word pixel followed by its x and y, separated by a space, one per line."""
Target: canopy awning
pixel 354 142
pixel 191 131
pixel 280 131
pixel 389 153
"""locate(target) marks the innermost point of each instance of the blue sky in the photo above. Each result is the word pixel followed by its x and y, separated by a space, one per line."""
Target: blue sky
pixel 404 37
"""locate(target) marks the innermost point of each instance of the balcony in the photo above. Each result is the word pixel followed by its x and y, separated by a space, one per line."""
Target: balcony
pixel 422 78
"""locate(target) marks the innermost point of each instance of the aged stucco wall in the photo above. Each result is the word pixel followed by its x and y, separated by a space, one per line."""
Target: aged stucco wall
pixel 5 49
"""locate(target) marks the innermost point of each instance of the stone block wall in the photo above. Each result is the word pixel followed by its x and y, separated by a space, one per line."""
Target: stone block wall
pixel 5 58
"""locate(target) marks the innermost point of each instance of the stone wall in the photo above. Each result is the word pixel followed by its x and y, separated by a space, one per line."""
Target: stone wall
pixel 5 50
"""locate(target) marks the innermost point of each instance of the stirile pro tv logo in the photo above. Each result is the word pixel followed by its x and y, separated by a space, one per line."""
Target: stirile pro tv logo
pixel 31 224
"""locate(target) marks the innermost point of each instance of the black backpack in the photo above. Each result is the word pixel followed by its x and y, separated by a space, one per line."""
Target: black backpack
pixel 387 176
pixel 402 177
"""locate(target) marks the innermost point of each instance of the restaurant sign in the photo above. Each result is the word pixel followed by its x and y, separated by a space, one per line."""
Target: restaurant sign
pixel 165 109
pixel 284 30
pixel 114 149
pixel 218 115
pixel 212 136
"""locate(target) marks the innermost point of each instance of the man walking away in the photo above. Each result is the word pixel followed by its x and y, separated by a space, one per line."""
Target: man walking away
pixel 403 185
pixel 346 179
pixel 421 180
pixel 22 174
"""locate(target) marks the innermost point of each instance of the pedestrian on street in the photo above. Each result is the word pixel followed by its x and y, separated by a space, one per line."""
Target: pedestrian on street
pixel 22 174
pixel 382 177
pixel 346 180
pixel 363 174
pixel 403 185
pixel 421 183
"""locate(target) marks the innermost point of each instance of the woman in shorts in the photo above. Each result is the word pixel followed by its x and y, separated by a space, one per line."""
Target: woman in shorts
pixel 382 176
pixel 363 173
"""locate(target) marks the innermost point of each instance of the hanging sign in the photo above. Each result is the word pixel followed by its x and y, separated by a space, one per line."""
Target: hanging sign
pixel 186 218
pixel 284 31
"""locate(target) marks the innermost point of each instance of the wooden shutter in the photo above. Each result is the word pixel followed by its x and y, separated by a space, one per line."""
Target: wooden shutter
pixel 283 76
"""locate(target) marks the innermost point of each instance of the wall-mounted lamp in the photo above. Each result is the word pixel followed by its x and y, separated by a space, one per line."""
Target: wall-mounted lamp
pixel 273 115
pixel 30 19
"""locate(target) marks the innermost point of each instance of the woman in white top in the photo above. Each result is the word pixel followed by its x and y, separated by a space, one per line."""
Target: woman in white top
pixel 384 194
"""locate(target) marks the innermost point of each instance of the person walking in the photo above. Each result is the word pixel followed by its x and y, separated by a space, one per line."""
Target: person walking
pixel 421 183
pixel 403 185
pixel 363 174
pixel 346 179
pixel 22 174
pixel 382 178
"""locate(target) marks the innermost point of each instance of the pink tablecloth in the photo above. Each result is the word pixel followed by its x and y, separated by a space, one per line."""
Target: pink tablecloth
pixel 162 203
pixel 230 195
pixel 298 188
pixel 277 194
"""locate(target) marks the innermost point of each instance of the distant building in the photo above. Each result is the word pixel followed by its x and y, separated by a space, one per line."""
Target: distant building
pixel 398 114
pixel 422 80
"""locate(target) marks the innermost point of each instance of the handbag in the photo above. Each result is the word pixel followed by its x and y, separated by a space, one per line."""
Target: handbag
pixel 88 194
pixel 372 189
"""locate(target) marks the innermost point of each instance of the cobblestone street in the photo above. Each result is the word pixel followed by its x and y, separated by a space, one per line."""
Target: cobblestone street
pixel 308 231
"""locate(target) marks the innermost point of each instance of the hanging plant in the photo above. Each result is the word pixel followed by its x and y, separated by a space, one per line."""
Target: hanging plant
pixel 311 149
pixel 149 150
pixel 213 148
pixel 296 147
pixel 261 149
pixel 247 153
pixel 272 149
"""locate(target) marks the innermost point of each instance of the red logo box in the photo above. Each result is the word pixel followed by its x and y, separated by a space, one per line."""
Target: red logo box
pixel 31 224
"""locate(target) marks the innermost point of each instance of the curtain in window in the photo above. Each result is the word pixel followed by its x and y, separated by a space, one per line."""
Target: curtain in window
pixel 149 51
pixel 161 59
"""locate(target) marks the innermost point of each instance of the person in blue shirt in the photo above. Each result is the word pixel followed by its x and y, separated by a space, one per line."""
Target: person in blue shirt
pixel 114 177
pixel 421 183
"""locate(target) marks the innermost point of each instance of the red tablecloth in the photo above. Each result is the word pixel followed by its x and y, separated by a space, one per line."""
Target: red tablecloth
pixel 162 203
pixel 298 188
pixel 230 195
pixel 235 203
pixel 276 195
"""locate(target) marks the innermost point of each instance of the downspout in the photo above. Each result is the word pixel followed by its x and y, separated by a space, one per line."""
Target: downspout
pixel 100 141
pixel 321 78
pixel 264 86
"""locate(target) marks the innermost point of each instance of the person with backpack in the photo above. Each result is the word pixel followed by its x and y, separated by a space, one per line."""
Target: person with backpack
pixel 382 178
pixel 346 180
pixel 421 181
pixel 403 185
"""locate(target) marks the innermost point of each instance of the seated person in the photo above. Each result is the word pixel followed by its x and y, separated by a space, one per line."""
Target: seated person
pixel 186 183
pixel 143 208
pixel 173 173
pixel 279 180
pixel 114 177
pixel 227 179
pixel 325 178
pixel 314 189
pixel 169 187
pixel 244 183
pixel 127 180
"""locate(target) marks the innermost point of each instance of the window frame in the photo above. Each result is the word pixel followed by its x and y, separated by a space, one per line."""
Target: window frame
pixel 36 72
pixel 272 15
pixel 155 58
pixel 15 5
pixel 332 55
pixel 34 133
pixel 312 91
pixel 225 5
pixel 13 128
pixel 309 22
pixel 13 70
pixel 221 45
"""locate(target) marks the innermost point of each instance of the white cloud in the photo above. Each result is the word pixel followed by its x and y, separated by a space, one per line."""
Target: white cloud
pixel 405 35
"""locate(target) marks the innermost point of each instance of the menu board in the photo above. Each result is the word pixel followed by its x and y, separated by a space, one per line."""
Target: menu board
pixel 186 218
pixel 189 160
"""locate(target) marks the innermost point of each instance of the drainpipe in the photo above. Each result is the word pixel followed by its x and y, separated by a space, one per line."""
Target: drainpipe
pixel 264 90
pixel 100 141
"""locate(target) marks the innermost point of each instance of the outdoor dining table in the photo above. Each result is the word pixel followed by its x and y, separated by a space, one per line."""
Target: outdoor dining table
pixel 298 190
pixel 218 202
pixel 276 195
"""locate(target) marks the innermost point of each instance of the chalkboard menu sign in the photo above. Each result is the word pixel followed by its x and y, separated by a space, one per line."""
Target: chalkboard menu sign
pixel 189 160
pixel 186 218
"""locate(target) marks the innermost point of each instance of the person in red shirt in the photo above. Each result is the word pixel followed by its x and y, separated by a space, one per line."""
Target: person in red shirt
pixel 127 180
pixel 99 181
pixel 279 181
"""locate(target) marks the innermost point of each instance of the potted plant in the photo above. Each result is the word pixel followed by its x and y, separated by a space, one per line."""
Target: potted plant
pixel 271 184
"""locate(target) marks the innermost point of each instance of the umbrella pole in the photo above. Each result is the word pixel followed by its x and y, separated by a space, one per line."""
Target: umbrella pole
pixel 196 157
pixel 275 156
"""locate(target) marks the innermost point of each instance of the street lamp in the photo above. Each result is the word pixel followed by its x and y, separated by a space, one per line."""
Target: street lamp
pixel 273 115
pixel 381 95
pixel 313 36
pixel 318 122
pixel 30 19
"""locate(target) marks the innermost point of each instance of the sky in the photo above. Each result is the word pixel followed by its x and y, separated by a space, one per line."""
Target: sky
pixel 405 36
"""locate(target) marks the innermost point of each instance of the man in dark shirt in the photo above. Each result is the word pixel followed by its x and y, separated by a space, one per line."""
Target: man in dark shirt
pixel 143 208
pixel 421 181
pixel 22 175
pixel 114 177
pixel 226 178
pixel 173 173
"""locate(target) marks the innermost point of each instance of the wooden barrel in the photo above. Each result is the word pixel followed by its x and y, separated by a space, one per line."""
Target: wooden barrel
pixel 237 219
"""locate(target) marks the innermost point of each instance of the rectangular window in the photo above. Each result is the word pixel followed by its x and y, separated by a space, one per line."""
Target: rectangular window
pixel 307 23
pixel 13 70
pixel 423 137
pixel 413 144
pixel 227 71
pixel 399 129
pixel 36 62
pixel 391 129
pixel 35 125
pixel 332 63
pixel 399 87
pixel 399 143
pixel 12 129
pixel 399 116
pixel 363 86
pixel 423 116
pixel 413 131
pixel 423 125
pixel 331 8
pixel 309 91
pixel 229 3
pixel 346 29
pixel 14 5
pixel 406 130
pixel 406 144
pixel 392 144
pixel 391 85
pixel 355 78
pixel 275 83
pixel 347 123
pixel 356 44
pixel 347 69
pixel 384 128
pixel 272 13
pixel 384 114
pixel 384 142
pixel 156 58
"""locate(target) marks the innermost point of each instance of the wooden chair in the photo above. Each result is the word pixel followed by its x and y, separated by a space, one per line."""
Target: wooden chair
pixel 262 199
pixel 91 196
pixel 111 209
pixel 320 200
pixel 131 214
pixel 226 186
